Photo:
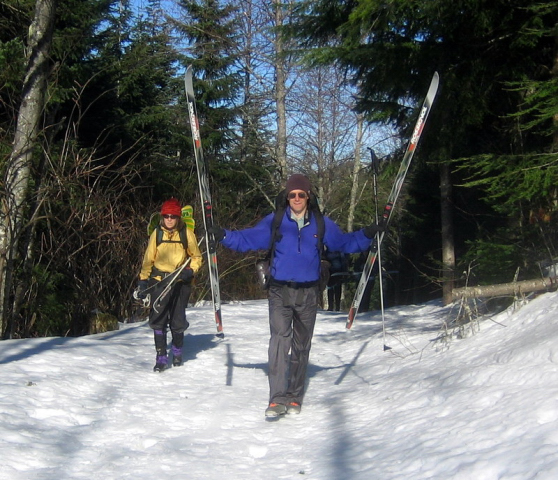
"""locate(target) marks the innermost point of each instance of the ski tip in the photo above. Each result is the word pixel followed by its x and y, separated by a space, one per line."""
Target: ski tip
pixel 188 81
pixel 433 86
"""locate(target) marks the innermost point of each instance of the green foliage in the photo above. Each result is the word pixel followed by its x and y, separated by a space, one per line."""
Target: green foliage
pixel 15 18
pixel 12 65
pixel 52 304
pixel 210 29
pixel 239 162
pixel 116 138
pixel 539 110
pixel 494 115
pixel 110 136
pixel 512 183
pixel 491 262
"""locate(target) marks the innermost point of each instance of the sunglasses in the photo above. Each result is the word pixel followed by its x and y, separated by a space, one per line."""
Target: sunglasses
pixel 175 217
pixel 293 195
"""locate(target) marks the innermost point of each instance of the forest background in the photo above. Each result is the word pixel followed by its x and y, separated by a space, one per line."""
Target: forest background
pixel 94 136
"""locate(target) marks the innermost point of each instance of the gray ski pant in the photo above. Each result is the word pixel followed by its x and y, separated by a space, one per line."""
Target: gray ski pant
pixel 292 316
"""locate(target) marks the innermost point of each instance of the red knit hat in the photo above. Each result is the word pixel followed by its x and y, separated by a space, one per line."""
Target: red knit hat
pixel 171 207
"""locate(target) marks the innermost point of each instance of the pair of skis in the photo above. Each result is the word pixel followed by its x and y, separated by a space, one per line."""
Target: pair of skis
pixel 392 199
pixel 205 196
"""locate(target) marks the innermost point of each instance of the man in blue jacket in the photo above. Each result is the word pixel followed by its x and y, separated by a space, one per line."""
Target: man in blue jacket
pixel 293 286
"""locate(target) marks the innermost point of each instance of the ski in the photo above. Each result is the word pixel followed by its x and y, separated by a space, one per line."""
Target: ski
pixel 392 199
pixel 165 284
pixel 205 195
pixel 172 277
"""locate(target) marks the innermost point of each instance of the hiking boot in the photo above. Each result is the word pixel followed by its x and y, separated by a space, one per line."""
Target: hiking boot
pixel 293 407
pixel 275 410
pixel 176 356
pixel 160 363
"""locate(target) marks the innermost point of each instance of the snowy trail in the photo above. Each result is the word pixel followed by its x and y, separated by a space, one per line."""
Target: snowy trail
pixel 484 407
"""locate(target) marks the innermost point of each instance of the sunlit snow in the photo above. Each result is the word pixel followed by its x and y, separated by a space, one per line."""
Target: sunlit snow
pixel 482 407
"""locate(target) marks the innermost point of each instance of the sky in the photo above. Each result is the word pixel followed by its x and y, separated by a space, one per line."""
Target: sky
pixel 439 402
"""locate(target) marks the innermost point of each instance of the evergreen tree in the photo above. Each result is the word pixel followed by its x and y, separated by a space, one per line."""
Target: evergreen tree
pixel 14 22
pixel 485 53
pixel 209 29
pixel 110 120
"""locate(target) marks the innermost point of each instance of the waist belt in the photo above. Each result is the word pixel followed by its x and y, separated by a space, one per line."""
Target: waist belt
pixel 295 285
pixel 155 272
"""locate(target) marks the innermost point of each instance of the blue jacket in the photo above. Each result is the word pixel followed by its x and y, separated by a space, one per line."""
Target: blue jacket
pixel 296 258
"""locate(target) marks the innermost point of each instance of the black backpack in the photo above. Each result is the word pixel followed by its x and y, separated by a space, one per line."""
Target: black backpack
pixel 182 233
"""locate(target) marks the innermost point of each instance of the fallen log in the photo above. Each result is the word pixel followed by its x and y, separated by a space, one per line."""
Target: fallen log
pixel 513 288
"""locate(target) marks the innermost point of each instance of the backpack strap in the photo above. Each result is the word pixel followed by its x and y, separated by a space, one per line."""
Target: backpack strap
pixel 159 235
pixel 183 237
pixel 320 223
pixel 314 208
pixel 263 266
pixel 320 226
pixel 280 207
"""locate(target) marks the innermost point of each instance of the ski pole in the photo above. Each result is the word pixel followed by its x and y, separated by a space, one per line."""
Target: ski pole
pixel 375 161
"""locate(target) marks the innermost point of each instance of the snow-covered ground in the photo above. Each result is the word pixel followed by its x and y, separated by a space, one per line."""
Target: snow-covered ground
pixel 480 408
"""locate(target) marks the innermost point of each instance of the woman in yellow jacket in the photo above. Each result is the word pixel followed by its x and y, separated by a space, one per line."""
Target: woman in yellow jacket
pixel 161 258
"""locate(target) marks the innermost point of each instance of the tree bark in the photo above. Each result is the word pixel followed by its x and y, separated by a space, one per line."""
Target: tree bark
pixel 514 288
pixel 448 247
pixel 17 173
pixel 355 174
pixel 280 92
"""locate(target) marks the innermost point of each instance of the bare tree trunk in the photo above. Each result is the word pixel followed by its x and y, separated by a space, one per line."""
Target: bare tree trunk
pixel 356 170
pixel 18 169
pixel 280 91
pixel 514 288
pixel 448 247
pixel 321 140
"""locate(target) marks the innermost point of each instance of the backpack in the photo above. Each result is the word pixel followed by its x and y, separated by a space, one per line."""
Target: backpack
pixel 182 233
pixel 263 265
pixel 187 218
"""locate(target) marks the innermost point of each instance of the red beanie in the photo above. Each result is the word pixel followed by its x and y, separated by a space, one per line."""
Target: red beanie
pixel 171 207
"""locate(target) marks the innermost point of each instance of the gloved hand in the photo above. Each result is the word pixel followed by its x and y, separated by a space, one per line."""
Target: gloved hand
pixel 371 230
pixel 142 286
pixel 186 275
pixel 217 232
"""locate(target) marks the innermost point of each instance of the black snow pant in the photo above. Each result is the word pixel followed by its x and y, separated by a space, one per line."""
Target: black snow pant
pixel 292 316
pixel 170 313
pixel 334 290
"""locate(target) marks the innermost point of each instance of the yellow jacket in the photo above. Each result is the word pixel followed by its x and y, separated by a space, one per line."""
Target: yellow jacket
pixel 167 257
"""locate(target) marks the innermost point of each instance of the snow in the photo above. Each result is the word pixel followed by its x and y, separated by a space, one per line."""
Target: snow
pixel 481 406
